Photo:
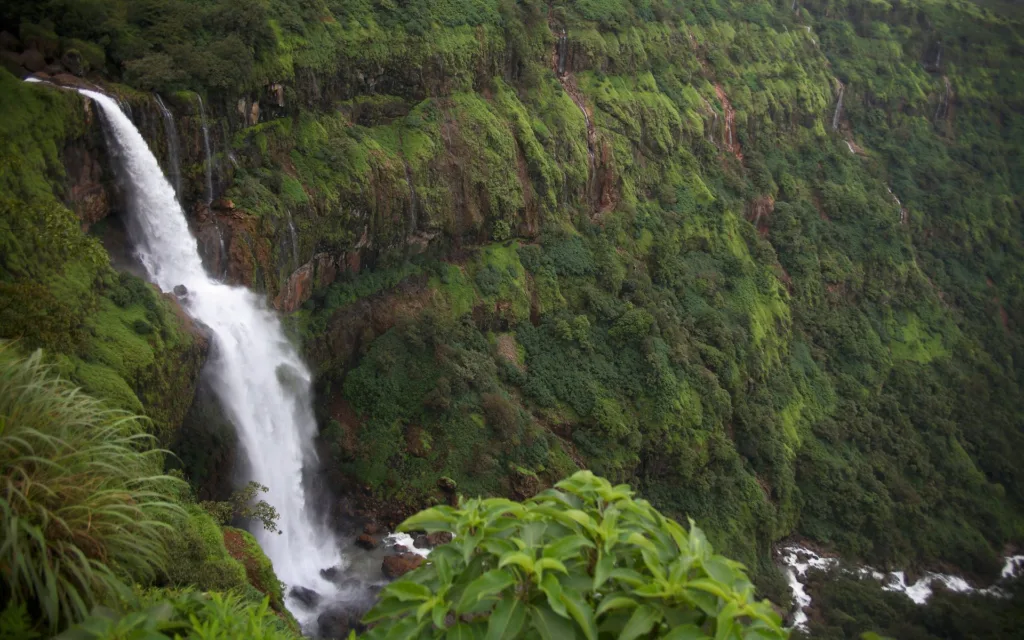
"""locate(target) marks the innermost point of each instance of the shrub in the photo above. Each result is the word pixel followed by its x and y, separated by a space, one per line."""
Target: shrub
pixel 82 507
pixel 582 560
pixel 184 614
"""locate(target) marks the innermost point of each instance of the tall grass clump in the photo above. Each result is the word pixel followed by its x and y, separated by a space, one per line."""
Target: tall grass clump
pixel 84 508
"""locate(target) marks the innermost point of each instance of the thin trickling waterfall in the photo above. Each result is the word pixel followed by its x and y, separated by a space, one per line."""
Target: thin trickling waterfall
pixel 563 48
pixel 208 163
pixel 173 150
pixel 206 149
pixel 295 239
pixel 839 106
pixel 412 199
pixel 258 376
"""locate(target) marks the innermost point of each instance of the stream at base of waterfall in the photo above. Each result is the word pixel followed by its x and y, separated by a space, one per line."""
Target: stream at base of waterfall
pixel 798 560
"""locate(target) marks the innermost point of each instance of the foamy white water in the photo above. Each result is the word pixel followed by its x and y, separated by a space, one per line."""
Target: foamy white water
pixel 262 383
pixel 798 560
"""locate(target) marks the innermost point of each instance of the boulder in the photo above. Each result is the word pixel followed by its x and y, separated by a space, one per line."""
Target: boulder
pixel 446 484
pixel 397 566
pixel 181 291
pixel 371 528
pixel 33 60
pixel 338 622
pixel 366 542
pixel 307 597
pixel 9 41
pixel 431 540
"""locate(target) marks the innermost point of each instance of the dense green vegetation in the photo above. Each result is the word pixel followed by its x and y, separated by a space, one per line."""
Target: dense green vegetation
pixel 90 527
pixel 763 315
pixel 583 560
pixel 848 606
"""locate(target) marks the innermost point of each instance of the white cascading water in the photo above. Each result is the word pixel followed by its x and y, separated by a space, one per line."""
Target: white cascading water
pixel 260 379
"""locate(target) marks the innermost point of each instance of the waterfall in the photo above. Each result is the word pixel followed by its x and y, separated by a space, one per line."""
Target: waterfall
pixel 209 184
pixel 206 148
pixel 563 47
pixel 295 239
pixel 173 151
pixel 258 375
pixel 412 198
pixel 839 106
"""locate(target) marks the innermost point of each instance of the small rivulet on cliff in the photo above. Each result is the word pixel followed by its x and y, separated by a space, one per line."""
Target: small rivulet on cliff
pixel 759 259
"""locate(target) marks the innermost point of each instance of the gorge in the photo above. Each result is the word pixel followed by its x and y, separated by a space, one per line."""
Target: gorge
pixel 757 260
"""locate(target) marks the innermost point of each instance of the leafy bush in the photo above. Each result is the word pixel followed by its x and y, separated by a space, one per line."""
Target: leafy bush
pixel 582 560
pixel 184 614
pixel 82 505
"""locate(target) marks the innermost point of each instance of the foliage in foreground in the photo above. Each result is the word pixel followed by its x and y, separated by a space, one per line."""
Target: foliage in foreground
pixel 583 560
pixel 83 507
pixel 185 614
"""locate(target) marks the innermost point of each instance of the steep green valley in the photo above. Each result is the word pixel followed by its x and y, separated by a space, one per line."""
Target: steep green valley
pixel 762 261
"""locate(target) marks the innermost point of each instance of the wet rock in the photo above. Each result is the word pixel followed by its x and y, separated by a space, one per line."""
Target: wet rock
pixel 33 60
pixel 400 548
pixel 446 484
pixel 338 622
pixel 371 528
pixel 307 597
pixel 366 542
pixel 181 291
pixel 9 42
pixel 397 566
pixel 332 574
pixel 431 540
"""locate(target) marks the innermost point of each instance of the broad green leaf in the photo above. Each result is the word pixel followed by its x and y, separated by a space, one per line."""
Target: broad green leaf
pixel 686 632
pixel 438 615
pixel 444 567
pixel 718 568
pixel 612 603
pixel 643 620
pixel 725 621
pixel 566 547
pixel 603 569
pixel 550 563
pixel 507 619
pixel 461 631
pixel 628 576
pixel 389 608
pixel 469 542
pixel 581 612
pixel 550 626
pixel 489 584
pixel 431 520
pixel 405 628
pixel 425 608
pixel 582 518
pixel 638 540
pixel 552 588
pixel 408 591
pixel 709 586
pixel 653 563
pixel 517 558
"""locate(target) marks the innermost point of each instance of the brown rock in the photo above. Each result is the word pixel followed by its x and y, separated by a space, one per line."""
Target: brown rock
pixel 371 528
pixel 366 542
pixel 438 538
pixel 9 41
pixel 32 60
pixel 397 566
